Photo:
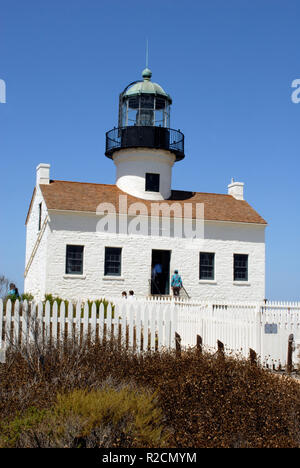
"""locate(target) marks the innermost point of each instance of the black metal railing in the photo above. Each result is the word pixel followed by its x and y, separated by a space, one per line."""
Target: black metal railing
pixel 147 137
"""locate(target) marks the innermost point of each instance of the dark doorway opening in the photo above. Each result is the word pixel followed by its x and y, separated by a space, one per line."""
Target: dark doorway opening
pixel 160 272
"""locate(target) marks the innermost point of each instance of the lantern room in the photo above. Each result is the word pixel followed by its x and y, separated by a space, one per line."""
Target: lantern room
pixel 145 103
pixel 144 120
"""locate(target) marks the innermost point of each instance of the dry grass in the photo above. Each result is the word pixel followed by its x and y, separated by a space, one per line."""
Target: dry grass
pixel 205 401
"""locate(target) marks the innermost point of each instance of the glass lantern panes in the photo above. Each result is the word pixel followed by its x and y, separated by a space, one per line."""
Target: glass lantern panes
pixel 145 110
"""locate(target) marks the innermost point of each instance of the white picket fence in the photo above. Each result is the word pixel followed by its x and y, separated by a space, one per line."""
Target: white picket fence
pixel 138 326
pixel 265 328
pixel 144 324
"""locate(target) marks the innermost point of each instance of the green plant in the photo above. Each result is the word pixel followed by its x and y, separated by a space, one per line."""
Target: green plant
pixel 11 432
pixel 51 299
pixel 101 418
pixel 98 303
pixel 27 297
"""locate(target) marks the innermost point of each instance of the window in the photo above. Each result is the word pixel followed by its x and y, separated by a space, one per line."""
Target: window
pixel 240 268
pixel 112 265
pixel 40 216
pixel 152 182
pixel 74 260
pixel 207 266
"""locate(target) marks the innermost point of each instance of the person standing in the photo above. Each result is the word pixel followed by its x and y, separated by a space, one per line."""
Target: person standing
pixel 13 291
pixel 156 276
pixel 131 295
pixel 176 283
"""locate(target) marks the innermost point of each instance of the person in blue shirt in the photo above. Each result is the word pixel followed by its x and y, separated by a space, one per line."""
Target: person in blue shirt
pixel 13 291
pixel 176 283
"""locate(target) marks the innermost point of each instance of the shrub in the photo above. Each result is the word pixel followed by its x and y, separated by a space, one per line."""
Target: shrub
pixel 101 418
pixel 202 400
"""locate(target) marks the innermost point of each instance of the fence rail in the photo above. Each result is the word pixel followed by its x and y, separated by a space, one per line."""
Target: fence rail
pixel 151 324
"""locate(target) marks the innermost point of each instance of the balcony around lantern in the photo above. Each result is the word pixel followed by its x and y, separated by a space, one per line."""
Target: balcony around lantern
pixel 140 136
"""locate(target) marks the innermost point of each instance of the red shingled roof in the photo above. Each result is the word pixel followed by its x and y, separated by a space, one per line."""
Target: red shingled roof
pixel 77 196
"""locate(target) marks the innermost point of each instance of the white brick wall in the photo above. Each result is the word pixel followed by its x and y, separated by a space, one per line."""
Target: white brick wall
pixel 47 273
pixel 35 280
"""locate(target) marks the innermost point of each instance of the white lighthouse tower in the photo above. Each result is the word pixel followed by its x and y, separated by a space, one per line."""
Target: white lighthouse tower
pixel 144 147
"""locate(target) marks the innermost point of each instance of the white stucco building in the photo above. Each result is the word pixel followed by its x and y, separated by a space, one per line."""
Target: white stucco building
pixel 89 240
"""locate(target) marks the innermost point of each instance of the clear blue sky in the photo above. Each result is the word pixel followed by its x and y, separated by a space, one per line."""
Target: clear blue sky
pixel 228 66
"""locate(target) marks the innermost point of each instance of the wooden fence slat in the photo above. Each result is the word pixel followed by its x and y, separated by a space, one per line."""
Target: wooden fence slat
pixel 62 322
pixel 146 328
pixel 47 321
pixel 152 327
pixel 160 325
pixel 32 322
pixel 131 326
pixel 8 322
pixel 70 321
pixel 138 328
pixel 168 327
pixel 86 320
pixel 16 322
pixel 101 322
pixel 78 320
pixel 94 322
pixel 108 321
pixel 54 322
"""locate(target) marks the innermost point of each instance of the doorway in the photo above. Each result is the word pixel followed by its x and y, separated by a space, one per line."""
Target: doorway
pixel 160 272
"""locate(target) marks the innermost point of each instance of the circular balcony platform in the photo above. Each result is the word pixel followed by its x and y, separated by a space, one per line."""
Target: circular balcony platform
pixel 145 137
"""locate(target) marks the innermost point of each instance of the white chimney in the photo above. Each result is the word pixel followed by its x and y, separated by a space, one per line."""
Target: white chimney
pixel 236 189
pixel 43 174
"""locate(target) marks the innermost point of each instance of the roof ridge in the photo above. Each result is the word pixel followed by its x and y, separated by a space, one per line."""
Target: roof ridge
pixel 76 182
pixel 114 185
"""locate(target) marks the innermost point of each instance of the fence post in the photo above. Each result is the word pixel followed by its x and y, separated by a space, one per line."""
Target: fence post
pixel 290 354
pixel 199 344
pixel 178 344
pixel 220 349
pixel 253 357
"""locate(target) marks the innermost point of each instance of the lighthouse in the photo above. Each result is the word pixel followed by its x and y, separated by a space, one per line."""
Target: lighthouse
pixel 67 255
pixel 143 147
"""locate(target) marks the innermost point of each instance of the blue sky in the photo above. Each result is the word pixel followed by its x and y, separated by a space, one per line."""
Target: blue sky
pixel 228 67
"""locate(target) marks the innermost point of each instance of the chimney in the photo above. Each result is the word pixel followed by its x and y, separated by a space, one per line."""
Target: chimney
pixel 43 174
pixel 236 189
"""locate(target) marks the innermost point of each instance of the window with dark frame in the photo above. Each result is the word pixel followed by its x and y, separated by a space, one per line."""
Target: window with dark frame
pixel 152 182
pixel 207 266
pixel 112 264
pixel 74 260
pixel 40 216
pixel 240 268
